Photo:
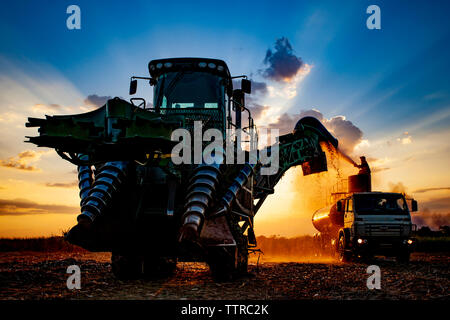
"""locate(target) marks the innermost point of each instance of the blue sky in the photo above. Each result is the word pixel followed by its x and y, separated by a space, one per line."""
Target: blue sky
pixel 387 73
pixel 391 84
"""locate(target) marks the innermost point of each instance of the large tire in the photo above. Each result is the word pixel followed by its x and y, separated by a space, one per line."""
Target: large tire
pixel 228 263
pixel 159 267
pixel 242 263
pixel 221 263
pixel 403 257
pixel 342 254
pixel 126 267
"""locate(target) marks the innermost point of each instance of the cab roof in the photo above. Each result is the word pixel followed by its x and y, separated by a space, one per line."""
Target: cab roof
pixel 372 193
pixel 377 192
pixel 215 66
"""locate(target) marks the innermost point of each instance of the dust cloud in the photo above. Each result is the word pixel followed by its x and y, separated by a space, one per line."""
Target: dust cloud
pixel 315 191
pixel 312 192
pixel 281 249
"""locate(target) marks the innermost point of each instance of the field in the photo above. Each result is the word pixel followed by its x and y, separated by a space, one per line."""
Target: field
pixel 41 274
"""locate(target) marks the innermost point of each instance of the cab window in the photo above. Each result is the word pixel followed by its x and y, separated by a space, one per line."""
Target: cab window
pixel 189 89
pixel 349 205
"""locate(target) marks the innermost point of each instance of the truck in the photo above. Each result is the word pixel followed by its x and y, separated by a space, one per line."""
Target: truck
pixel 362 223
pixel 151 211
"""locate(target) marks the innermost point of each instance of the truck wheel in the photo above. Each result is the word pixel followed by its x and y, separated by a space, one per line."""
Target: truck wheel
pixel 403 257
pixel 342 254
pixel 159 267
pixel 126 267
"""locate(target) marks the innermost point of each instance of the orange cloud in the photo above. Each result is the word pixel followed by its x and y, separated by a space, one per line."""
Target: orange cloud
pixel 431 189
pixel 46 107
pixel 22 160
pixel 62 184
pixel 26 207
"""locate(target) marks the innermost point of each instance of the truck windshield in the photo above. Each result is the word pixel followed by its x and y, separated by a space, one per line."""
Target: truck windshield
pixel 380 204
pixel 189 89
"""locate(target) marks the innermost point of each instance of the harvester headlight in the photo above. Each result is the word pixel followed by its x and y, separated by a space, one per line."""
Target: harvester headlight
pixel 152 67
pixel 168 64
pixel 159 65
pixel 220 68
pixel 212 65
pixel 202 64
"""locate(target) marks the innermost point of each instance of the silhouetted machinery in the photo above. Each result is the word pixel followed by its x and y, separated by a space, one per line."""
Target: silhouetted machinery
pixel 149 211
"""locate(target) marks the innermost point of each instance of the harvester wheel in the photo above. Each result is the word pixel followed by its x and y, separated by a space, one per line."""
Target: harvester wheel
pixel 159 267
pixel 227 263
pixel 242 259
pixel 221 263
pixel 126 267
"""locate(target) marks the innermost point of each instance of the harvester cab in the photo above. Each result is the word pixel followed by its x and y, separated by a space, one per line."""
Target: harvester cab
pixel 198 89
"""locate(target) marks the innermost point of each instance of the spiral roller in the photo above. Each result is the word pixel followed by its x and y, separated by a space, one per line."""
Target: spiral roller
pixel 106 183
pixel 84 179
pixel 240 180
pixel 201 191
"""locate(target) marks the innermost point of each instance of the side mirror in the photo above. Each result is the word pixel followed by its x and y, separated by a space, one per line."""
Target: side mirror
pixel 339 206
pixel 238 103
pixel 229 91
pixel 414 206
pixel 133 87
pixel 246 86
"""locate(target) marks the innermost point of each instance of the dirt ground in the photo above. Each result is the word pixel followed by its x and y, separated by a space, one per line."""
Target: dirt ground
pixel 37 275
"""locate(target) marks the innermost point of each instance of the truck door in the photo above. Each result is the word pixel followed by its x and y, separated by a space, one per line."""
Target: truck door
pixel 348 215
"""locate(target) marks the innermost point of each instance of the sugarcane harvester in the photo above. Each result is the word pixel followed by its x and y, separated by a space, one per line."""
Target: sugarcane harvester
pixel 150 210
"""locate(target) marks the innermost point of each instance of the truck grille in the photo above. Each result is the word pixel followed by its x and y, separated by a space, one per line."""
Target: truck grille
pixel 383 230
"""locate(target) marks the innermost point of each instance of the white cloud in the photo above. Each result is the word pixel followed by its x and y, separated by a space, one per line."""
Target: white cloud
pixel 406 140
pixel 363 144
pixel 280 96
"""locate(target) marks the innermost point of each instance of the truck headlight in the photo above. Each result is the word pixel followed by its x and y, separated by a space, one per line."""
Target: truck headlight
pixel 410 241
pixel 361 241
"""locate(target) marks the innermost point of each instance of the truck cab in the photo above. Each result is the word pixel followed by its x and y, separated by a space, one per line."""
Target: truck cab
pixel 376 223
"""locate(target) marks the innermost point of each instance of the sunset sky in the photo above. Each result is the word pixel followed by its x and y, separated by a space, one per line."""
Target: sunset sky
pixel 383 93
